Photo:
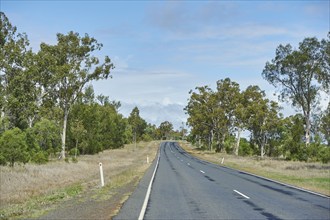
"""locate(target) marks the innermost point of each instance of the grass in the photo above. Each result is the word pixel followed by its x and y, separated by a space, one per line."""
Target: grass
pixel 31 190
pixel 310 176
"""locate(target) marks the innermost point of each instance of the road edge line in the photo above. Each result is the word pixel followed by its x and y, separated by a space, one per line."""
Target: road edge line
pixel 146 199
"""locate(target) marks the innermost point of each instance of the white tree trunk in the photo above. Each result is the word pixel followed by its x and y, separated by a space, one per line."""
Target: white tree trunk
pixel 65 120
pixel 307 130
pixel 239 130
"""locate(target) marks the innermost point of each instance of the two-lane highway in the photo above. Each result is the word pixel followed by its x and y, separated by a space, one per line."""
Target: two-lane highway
pixel 185 187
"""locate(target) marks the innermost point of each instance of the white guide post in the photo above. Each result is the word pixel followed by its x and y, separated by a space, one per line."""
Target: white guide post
pixel 147 159
pixel 101 174
pixel 222 160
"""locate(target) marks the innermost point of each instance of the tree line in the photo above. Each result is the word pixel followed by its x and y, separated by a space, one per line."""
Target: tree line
pixel 218 117
pixel 48 106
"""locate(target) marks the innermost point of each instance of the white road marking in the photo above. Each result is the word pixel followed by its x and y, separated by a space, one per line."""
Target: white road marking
pixel 188 164
pixel 202 171
pixel 146 199
pixel 241 194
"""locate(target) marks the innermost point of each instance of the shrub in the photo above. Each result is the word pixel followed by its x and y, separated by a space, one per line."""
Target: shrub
pixel 40 157
pixel 13 147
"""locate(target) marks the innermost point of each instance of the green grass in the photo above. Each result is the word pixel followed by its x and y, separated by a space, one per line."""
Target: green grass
pixel 35 206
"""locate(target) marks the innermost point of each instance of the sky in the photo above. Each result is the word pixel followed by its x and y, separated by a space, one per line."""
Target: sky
pixel 163 49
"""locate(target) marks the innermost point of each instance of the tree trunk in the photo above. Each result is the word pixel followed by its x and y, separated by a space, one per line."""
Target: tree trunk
pixel 307 130
pixel 211 140
pixel 262 147
pixel 31 119
pixel 75 154
pixel 65 120
pixel 239 130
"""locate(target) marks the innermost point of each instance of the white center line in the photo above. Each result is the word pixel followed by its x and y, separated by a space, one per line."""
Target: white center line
pixel 188 164
pixel 241 194
pixel 202 171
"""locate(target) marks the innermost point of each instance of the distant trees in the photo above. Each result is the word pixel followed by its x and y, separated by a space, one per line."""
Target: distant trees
pixel 165 129
pixel 137 124
pixel 215 116
pixel 218 117
pixel 228 110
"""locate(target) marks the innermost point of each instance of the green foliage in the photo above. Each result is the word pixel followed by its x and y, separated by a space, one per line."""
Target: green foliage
pixel 44 136
pixel 13 147
pixel 325 124
pixel 39 91
pixel 137 123
pixel 165 129
pixel 96 126
pixel 39 157
pixel 301 73
pixel 245 148
pixel 229 144
pixel 324 154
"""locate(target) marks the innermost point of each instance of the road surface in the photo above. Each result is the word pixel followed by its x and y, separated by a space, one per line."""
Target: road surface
pixel 185 187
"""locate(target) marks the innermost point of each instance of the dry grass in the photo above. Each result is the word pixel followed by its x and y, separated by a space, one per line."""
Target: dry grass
pixel 21 183
pixel 311 176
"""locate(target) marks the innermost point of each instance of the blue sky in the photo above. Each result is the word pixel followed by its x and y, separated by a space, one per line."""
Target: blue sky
pixel 162 49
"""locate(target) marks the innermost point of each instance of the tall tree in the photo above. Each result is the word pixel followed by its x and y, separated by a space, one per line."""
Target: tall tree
pixel 263 117
pixel 204 114
pixel 66 68
pixel 18 87
pixel 137 123
pixel 301 73
pixel 228 99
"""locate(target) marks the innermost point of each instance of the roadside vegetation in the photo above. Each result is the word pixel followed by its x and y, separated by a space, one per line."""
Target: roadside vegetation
pixel 33 190
pixel 218 118
pixel 48 108
pixel 311 176
pixel 54 129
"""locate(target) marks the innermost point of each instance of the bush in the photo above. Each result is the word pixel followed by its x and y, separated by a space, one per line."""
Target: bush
pixel 13 147
pixel 245 148
pixel 324 154
pixel 40 157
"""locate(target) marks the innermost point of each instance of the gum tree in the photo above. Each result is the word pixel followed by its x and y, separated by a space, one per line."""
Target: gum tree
pixel 65 68
pixel 300 74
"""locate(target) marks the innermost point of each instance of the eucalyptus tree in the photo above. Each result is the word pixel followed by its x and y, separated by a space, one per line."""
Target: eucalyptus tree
pixel 165 129
pixel 263 117
pixel 67 67
pixel 228 99
pixel 18 86
pixel 137 123
pixel 204 114
pixel 301 74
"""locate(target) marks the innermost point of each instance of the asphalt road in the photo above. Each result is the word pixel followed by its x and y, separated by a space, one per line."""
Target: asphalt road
pixel 188 188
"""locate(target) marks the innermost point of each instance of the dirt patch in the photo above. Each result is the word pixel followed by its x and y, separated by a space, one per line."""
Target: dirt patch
pixel 92 206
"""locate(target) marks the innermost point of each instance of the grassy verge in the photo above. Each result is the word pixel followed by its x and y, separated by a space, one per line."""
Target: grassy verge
pixel 35 206
pixel 310 176
pixel 32 190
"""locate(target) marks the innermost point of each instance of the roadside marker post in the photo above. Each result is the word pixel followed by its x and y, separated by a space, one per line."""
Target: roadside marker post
pixel 101 174
pixel 223 159
pixel 147 159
